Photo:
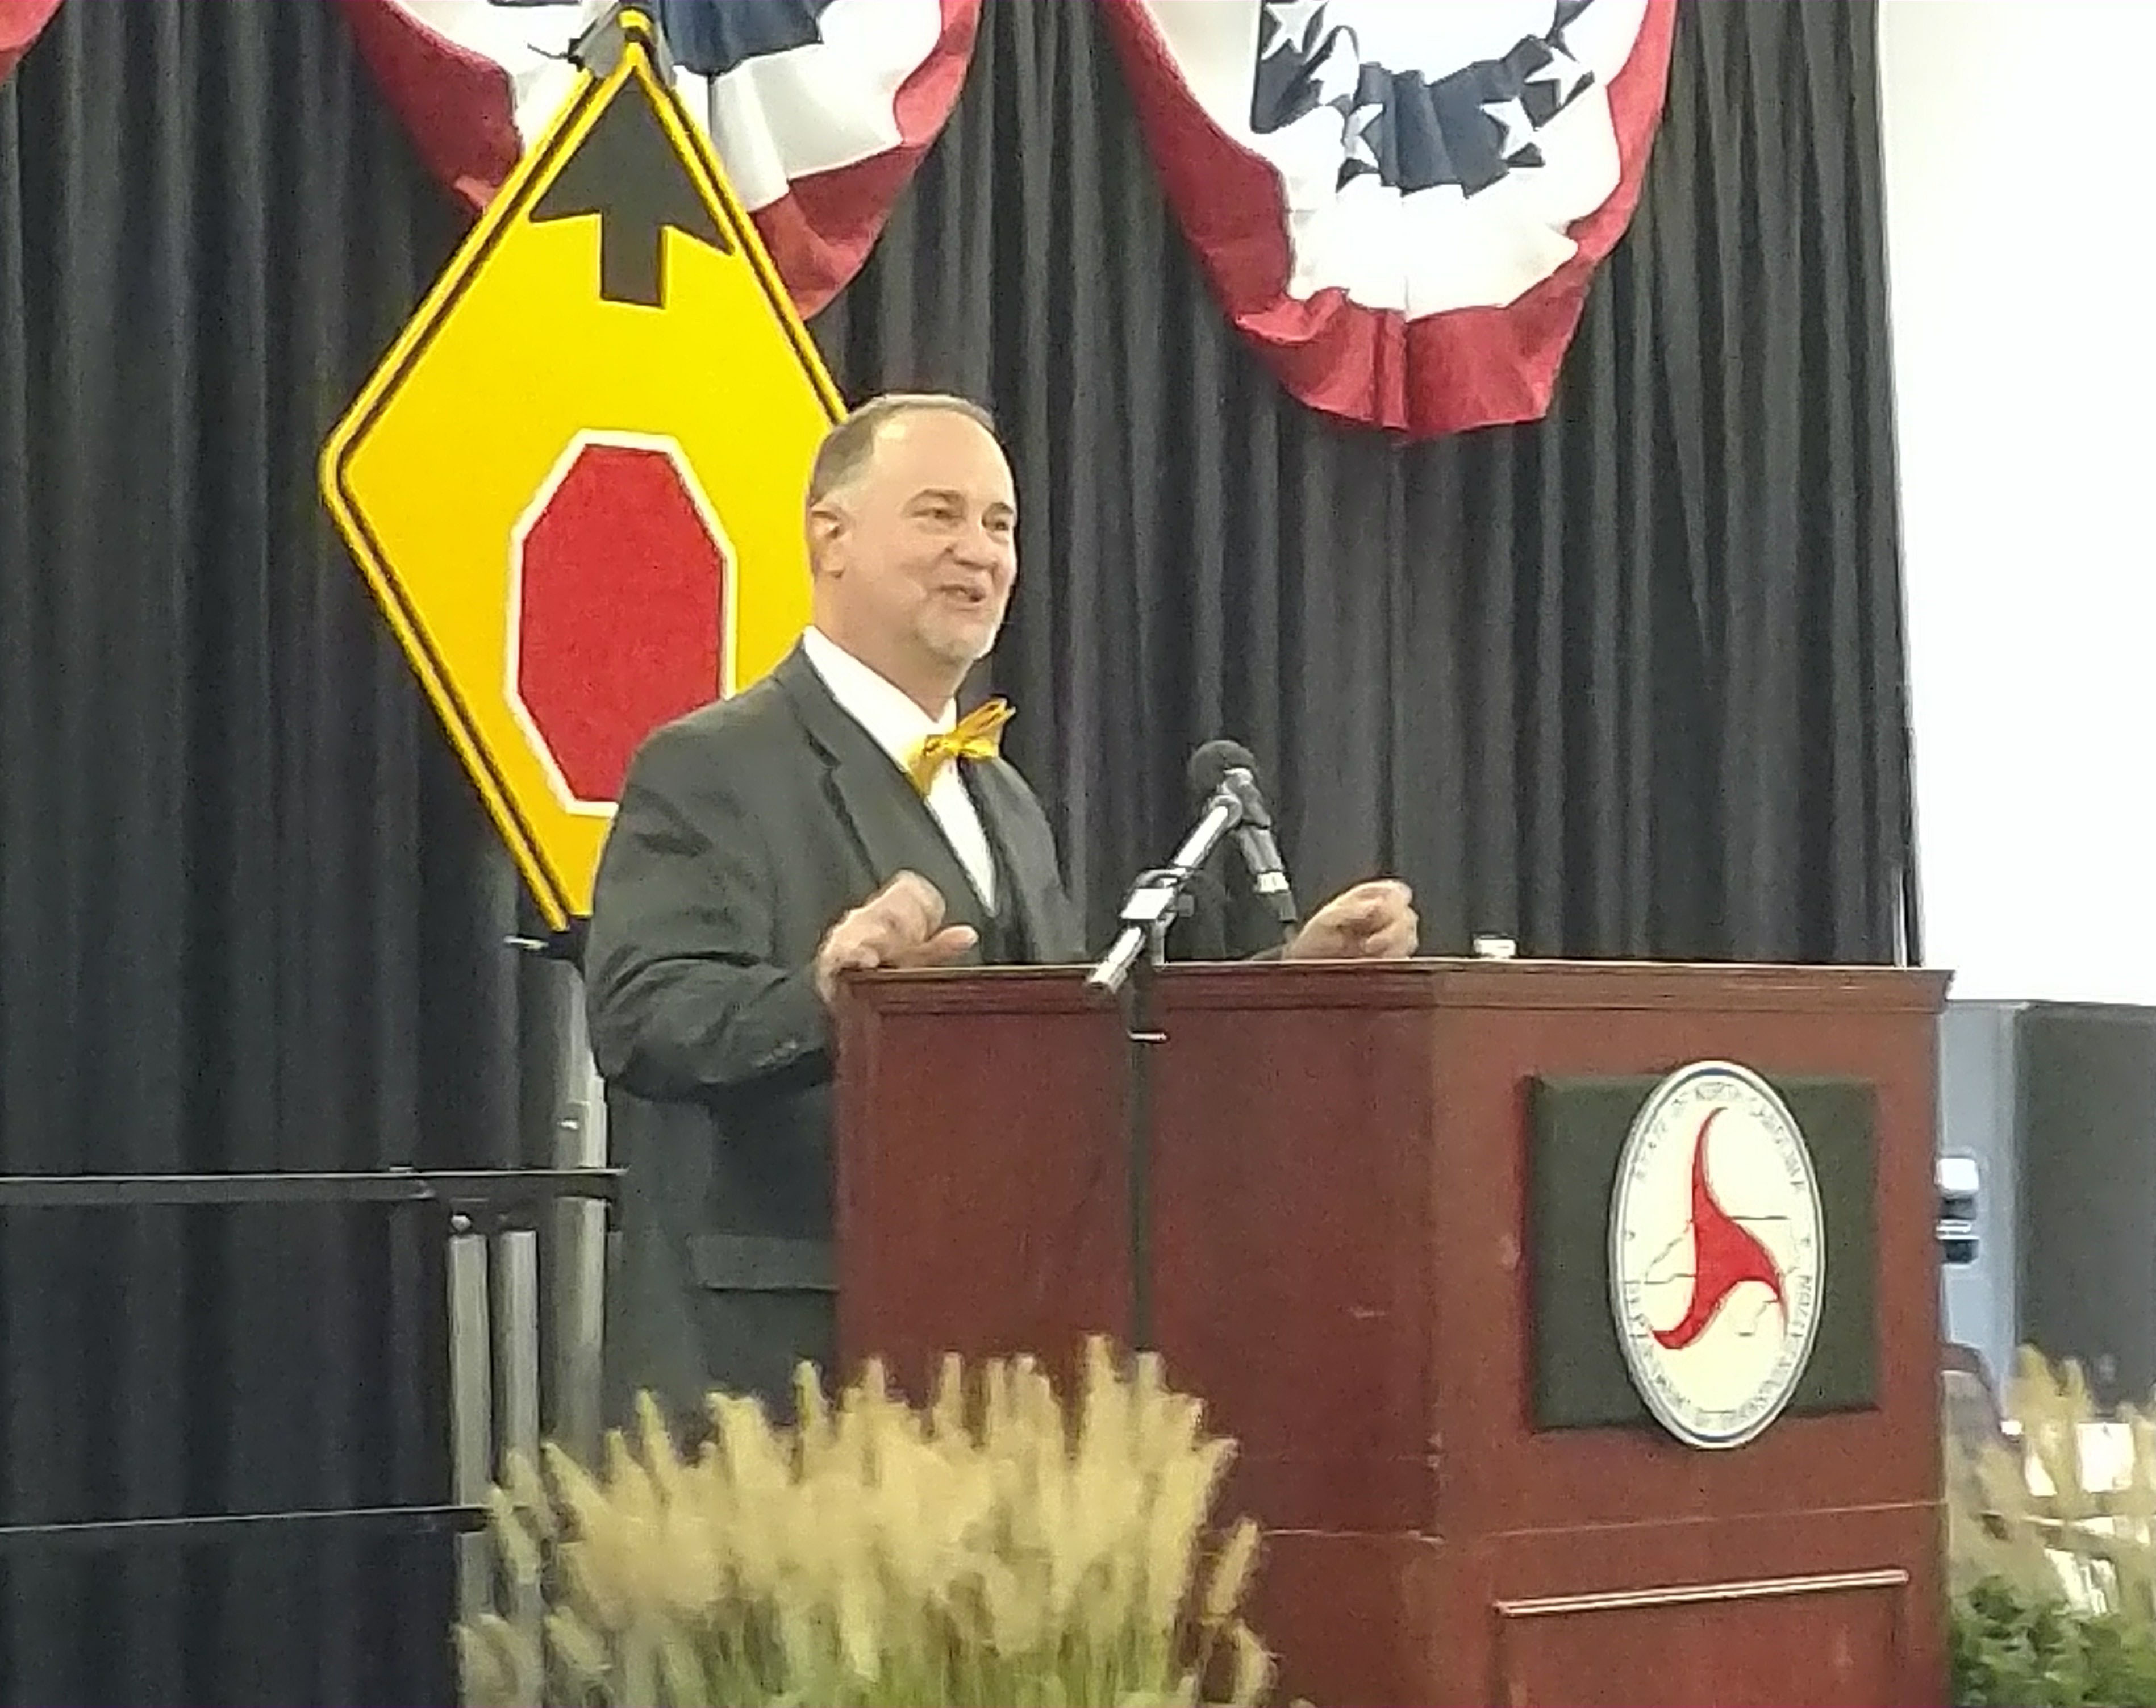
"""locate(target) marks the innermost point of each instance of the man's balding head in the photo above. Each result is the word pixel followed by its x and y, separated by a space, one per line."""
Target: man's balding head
pixel 850 446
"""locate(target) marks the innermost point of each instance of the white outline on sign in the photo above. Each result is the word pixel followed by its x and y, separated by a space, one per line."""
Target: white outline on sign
pixel 512 690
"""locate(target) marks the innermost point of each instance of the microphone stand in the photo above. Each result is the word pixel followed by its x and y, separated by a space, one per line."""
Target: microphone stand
pixel 1129 971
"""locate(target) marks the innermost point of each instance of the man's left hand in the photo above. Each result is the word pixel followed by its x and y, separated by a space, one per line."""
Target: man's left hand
pixel 1373 921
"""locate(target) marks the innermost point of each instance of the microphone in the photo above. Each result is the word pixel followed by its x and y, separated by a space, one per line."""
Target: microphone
pixel 1157 896
pixel 1227 767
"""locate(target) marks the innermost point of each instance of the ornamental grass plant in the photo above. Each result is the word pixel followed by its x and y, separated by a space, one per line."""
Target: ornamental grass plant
pixel 998 1548
pixel 2052 1549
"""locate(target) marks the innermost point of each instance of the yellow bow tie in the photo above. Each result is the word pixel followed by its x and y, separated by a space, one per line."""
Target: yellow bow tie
pixel 979 735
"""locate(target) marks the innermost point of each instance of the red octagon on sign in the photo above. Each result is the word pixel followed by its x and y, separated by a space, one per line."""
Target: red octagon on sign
pixel 620 583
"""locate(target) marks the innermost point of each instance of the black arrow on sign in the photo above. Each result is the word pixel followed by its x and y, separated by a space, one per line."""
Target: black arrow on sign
pixel 626 171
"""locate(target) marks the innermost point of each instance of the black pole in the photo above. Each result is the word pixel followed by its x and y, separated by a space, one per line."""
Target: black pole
pixel 1128 972
pixel 1913 907
pixel 1142 1035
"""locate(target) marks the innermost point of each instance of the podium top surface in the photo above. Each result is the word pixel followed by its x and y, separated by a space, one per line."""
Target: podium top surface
pixel 1429 982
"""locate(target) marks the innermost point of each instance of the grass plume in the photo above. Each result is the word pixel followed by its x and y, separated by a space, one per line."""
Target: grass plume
pixel 997 1547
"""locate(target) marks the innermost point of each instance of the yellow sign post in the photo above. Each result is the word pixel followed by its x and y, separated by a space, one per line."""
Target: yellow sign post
pixel 575 482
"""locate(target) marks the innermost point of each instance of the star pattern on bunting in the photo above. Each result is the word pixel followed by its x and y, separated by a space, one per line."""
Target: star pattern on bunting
pixel 1468 128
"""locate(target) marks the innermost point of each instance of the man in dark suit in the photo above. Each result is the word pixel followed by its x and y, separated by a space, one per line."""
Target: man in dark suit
pixel 837 815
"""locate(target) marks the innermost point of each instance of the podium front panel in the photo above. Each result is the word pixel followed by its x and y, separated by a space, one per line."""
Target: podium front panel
pixel 1343 1267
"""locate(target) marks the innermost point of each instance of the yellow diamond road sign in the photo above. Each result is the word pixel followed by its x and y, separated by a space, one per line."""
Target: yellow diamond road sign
pixel 575 482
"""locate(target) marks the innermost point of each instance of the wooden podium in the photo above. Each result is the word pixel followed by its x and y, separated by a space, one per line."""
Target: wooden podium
pixel 1380 1203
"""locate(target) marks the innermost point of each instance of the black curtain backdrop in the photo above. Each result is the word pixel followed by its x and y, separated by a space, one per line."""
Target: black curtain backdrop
pixel 251 914
pixel 1625 682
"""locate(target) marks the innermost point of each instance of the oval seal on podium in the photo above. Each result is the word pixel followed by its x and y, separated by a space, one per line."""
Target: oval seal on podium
pixel 1717 1254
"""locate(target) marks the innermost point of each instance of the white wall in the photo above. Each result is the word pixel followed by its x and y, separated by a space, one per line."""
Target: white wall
pixel 2017 137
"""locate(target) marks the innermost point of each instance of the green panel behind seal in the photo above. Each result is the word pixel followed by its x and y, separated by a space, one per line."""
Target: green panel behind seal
pixel 1576 1131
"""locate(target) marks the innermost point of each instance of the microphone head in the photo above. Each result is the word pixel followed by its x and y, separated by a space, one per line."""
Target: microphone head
pixel 1211 763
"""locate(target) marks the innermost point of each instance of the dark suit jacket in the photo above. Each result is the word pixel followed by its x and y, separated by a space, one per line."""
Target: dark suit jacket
pixel 744 832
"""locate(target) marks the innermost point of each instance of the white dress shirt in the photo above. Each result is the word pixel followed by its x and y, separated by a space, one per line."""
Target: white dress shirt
pixel 898 725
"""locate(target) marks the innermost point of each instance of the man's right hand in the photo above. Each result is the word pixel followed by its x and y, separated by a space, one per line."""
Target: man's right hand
pixel 901 925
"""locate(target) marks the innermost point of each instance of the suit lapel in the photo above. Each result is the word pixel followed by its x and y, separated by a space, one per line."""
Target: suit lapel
pixel 890 826
pixel 1036 886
